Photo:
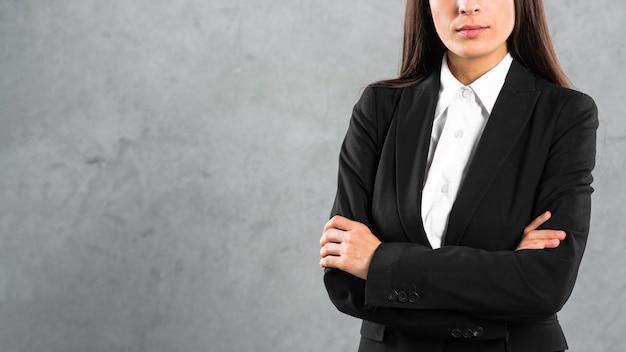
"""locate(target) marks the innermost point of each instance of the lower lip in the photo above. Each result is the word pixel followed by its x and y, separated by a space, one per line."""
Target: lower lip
pixel 472 33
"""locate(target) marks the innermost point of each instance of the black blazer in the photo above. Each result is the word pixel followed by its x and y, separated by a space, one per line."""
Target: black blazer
pixel 475 293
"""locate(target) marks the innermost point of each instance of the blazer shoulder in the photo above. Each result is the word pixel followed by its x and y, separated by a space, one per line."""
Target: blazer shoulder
pixel 566 98
pixel 381 95
pixel 522 79
pixel 379 103
pixel 569 107
pixel 563 93
pixel 430 81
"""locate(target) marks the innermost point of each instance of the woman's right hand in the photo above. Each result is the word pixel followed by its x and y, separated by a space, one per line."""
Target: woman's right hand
pixel 540 239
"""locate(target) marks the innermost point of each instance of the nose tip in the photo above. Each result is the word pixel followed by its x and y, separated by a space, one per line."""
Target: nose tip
pixel 469 9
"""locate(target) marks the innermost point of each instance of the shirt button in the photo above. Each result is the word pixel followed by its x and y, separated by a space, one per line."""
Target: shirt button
pixel 466 93
pixel 458 133
pixel 444 188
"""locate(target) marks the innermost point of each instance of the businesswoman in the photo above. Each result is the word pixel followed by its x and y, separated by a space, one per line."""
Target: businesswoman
pixel 463 200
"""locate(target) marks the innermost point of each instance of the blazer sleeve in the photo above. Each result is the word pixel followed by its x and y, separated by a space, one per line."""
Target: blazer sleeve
pixel 507 285
pixel 358 162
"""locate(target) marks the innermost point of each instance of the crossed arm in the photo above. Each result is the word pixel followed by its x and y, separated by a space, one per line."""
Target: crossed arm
pixel 350 245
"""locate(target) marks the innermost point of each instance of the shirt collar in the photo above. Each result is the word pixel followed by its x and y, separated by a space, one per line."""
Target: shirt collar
pixel 487 87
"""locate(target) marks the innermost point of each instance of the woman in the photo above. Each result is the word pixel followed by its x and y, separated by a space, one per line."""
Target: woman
pixel 463 200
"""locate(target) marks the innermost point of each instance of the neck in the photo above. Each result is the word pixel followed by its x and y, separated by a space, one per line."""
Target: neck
pixel 468 69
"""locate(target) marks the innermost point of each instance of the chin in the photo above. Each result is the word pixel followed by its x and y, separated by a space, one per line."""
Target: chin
pixel 476 52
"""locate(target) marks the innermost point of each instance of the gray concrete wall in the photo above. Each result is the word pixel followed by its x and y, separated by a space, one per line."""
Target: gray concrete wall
pixel 166 168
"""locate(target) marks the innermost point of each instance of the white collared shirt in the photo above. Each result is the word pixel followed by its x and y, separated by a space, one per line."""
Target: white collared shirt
pixel 460 118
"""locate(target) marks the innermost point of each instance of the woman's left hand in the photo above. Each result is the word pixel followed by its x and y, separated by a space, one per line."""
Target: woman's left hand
pixel 540 239
pixel 347 245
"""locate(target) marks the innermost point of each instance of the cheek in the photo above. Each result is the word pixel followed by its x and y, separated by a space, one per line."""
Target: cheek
pixel 441 25
pixel 509 30
pixel 508 22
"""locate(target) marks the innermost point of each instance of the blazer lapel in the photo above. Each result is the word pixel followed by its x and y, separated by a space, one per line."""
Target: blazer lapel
pixel 415 116
pixel 510 114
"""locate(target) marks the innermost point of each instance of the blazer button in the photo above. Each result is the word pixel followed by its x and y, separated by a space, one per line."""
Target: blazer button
pixel 403 297
pixel 468 333
pixel 479 331
pixel 414 297
pixel 456 333
pixel 392 296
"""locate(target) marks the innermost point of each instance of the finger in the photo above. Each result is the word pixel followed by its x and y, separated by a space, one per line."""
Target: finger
pixel 530 245
pixel 332 235
pixel 330 249
pixel 339 222
pixel 330 261
pixel 333 223
pixel 538 221
pixel 540 239
pixel 542 244
pixel 559 235
pixel 553 243
pixel 545 235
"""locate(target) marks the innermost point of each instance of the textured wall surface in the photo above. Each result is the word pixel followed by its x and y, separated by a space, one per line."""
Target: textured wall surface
pixel 166 168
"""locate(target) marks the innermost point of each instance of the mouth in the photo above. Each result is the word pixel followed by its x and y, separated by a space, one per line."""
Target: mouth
pixel 472 31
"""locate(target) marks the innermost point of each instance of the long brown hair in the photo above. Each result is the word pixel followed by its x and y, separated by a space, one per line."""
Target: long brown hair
pixel 529 43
